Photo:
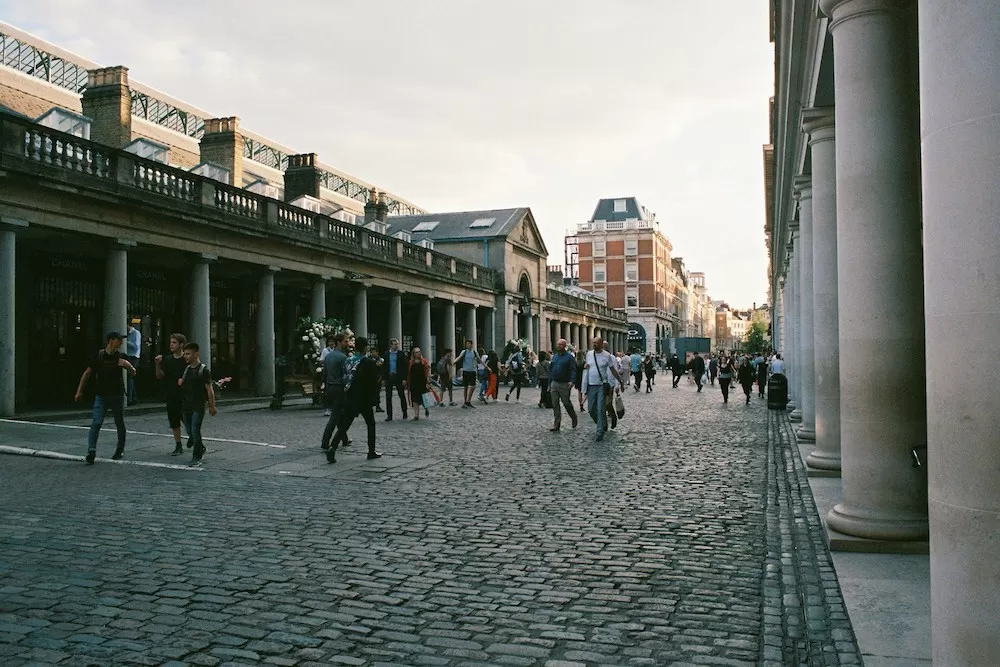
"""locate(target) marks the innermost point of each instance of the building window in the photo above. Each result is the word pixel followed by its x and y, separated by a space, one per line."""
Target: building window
pixel 426 226
pixel 620 206
pixel 600 248
pixel 631 272
pixel 631 248
pixel 601 293
pixel 599 273
pixel 631 298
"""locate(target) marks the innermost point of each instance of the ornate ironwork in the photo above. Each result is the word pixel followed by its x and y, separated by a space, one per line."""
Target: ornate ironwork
pixel 264 154
pixel 167 115
pixel 31 60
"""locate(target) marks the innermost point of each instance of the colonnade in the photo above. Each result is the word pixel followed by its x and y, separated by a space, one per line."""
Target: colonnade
pixel 890 289
pixel 579 336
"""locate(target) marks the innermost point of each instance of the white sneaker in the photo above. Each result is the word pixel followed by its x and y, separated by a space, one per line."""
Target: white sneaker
pixel 326 413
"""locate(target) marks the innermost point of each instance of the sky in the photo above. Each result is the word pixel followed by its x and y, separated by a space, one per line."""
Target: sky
pixel 466 104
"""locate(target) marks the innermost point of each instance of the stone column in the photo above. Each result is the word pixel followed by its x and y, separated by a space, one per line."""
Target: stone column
pixel 807 430
pixel 8 253
pixel 265 333
pixel 471 328
pixel 318 309
pixel 116 289
pixel 448 339
pixel 395 318
pixel 424 327
pixel 360 324
pixel 201 307
pixel 793 356
pixel 960 111
pixel 491 329
pixel 819 123
pixel 879 270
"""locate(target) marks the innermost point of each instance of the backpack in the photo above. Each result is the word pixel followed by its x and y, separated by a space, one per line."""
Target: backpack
pixel 515 363
pixel 442 367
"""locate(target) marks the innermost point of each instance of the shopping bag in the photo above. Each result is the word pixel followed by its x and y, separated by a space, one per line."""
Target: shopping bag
pixel 619 406
pixel 429 400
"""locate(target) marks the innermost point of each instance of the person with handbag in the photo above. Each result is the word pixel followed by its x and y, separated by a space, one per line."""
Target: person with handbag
pixel 418 382
pixel 600 367
pixel 360 399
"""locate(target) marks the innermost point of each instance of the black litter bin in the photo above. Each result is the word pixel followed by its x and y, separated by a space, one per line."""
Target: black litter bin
pixel 777 392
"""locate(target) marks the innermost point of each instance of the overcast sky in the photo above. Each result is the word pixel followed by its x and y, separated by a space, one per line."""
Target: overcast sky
pixel 469 104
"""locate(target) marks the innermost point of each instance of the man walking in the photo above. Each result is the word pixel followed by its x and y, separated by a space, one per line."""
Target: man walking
pixel 109 393
pixel 562 378
pixel 197 389
pixel 677 368
pixel 599 367
pixel 468 361
pixel 445 374
pixel 636 363
pixel 334 367
pixel 698 369
pixel 322 357
pixel 359 400
pixel 393 376
pixel 713 370
pixel 170 369
pixel 133 350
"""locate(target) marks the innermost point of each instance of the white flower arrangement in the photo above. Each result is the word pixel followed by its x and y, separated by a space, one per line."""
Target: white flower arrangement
pixel 314 333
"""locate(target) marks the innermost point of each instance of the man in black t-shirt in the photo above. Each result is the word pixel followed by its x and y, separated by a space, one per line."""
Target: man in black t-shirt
pixel 109 393
pixel 170 369
pixel 196 389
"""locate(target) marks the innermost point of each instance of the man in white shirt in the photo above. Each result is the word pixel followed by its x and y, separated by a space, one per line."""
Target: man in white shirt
pixel 777 365
pixel 600 368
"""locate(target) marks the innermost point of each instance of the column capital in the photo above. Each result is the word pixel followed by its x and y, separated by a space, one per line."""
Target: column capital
pixel 839 11
pixel 802 187
pixel 206 257
pixel 11 224
pixel 819 123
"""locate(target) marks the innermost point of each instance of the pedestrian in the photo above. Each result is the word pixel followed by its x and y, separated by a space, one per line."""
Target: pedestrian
pixel 418 382
pixel 760 364
pixel 581 363
pixel 133 350
pixel 518 371
pixel 636 363
pixel 360 397
pixel 379 363
pixel 777 365
pixel 713 370
pixel 330 345
pixel 542 373
pixel 562 377
pixel 109 392
pixel 649 368
pixel 746 374
pixel 394 377
pixel 468 361
pixel 197 389
pixel 170 369
pixel 698 369
pixel 677 368
pixel 596 383
pixel 446 377
pixel 493 371
pixel 726 372
pixel 334 369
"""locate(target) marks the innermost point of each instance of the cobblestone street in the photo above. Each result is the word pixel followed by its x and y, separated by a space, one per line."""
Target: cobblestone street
pixel 480 538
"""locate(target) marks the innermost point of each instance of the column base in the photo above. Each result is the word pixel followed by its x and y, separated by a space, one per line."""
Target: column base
pixel 824 460
pixel 863 523
pixel 796 415
pixel 806 434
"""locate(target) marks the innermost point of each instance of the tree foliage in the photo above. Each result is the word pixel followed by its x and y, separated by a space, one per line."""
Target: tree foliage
pixel 756 341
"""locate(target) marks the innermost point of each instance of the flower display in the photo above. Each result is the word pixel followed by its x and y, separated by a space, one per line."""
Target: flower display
pixel 313 334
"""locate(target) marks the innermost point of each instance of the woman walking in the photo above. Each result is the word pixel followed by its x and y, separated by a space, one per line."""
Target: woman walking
pixel 544 399
pixel 418 381
pixel 746 375
pixel 650 369
pixel 493 371
pixel 726 372
pixel 518 372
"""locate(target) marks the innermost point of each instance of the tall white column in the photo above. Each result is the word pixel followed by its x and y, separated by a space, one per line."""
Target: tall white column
pixel 807 430
pixel 318 309
pixel 879 270
pixel 448 326
pixel 360 324
pixel 424 327
pixel 116 289
pixel 491 328
pixel 819 123
pixel 471 328
pixel 395 318
pixel 793 357
pixel 201 307
pixel 960 115
pixel 8 253
pixel 265 333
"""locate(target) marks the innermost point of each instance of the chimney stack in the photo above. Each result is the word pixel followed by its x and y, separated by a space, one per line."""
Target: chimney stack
pixel 302 176
pixel 107 101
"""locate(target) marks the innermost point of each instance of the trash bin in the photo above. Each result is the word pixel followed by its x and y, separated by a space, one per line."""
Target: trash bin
pixel 777 392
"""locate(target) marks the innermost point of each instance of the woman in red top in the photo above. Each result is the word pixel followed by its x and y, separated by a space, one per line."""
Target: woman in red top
pixel 418 380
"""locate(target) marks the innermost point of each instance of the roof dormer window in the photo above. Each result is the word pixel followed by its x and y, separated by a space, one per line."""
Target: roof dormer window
pixel 620 206
pixel 426 226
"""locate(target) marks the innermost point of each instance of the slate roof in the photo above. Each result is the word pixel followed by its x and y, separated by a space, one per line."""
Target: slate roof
pixel 455 226
pixel 605 210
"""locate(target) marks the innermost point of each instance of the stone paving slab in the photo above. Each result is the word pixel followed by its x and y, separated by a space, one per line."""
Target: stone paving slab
pixel 479 539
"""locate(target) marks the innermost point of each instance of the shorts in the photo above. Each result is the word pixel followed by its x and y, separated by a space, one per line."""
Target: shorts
pixel 174 411
pixel 469 379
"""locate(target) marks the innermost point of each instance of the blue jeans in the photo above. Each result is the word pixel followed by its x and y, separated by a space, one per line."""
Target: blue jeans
pixel 484 383
pixel 192 424
pixel 101 406
pixel 596 406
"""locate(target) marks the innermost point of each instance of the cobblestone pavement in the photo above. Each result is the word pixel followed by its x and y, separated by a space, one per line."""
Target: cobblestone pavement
pixel 479 539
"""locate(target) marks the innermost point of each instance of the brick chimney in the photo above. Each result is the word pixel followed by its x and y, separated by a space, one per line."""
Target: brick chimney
pixel 107 101
pixel 371 206
pixel 382 208
pixel 302 176
pixel 223 145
